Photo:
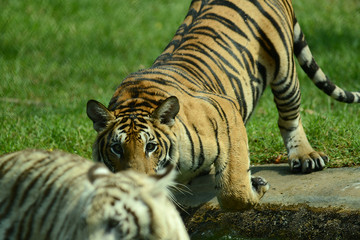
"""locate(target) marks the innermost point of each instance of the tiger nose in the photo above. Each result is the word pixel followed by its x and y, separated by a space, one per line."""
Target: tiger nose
pixel 135 158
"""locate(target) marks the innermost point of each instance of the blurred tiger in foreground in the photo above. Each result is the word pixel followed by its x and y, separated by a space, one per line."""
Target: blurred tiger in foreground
pixel 190 107
pixel 56 195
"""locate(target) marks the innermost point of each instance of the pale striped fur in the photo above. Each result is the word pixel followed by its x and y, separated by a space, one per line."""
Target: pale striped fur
pixel 56 195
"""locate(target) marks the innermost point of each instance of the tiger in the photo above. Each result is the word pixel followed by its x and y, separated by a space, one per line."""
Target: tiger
pixel 190 107
pixel 58 195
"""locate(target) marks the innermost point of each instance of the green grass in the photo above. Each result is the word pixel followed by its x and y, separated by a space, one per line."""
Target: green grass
pixel 331 127
pixel 56 55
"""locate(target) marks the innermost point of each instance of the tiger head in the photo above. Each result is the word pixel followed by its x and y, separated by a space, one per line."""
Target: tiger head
pixel 135 134
pixel 131 205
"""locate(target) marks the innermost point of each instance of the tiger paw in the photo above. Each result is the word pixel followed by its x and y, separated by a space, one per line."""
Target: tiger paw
pixel 243 197
pixel 315 161
pixel 260 185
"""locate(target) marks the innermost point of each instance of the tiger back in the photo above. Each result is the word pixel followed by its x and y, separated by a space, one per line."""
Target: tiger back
pixel 190 107
pixel 56 195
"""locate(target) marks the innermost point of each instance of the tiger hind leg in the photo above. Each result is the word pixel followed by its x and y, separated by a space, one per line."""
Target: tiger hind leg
pixel 301 156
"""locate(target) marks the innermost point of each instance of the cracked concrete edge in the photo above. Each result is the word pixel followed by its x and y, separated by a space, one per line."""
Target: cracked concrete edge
pixel 321 205
pixel 272 221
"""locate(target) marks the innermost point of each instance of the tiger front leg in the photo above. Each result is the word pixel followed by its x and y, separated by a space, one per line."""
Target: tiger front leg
pixel 301 156
pixel 238 190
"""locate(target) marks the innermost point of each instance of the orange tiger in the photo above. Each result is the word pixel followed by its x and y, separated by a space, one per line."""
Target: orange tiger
pixel 191 106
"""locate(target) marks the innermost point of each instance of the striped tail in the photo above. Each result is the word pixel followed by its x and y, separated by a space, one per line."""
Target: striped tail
pixel 313 71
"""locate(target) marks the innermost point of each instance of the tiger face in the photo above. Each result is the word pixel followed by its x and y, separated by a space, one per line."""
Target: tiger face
pixel 65 196
pixel 134 138
pixel 145 212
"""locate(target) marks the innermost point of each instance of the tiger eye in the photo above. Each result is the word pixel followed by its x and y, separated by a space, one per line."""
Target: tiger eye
pixel 117 149
pixel 150 147
pixel 112 223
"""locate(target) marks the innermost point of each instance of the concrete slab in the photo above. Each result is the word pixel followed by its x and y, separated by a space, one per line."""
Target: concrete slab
pixel 320 205
pixel 336 187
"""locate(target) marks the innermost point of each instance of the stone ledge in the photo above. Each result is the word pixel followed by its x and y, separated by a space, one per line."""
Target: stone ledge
pixel 273 222
pixel 320 205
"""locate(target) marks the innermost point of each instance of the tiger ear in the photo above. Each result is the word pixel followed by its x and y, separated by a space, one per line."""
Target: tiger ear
pixel 167 111
pixel 99 114
pixel 97 171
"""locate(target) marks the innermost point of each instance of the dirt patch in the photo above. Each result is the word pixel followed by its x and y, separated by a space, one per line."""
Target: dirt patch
pixel 274 222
